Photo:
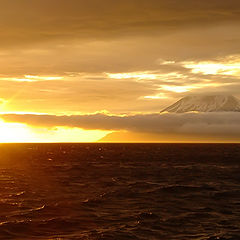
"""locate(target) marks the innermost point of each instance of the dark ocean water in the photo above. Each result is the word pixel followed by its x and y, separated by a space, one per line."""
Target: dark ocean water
pixel 120 191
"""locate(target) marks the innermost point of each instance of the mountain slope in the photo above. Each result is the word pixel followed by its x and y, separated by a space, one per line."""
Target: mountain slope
pixel 209 103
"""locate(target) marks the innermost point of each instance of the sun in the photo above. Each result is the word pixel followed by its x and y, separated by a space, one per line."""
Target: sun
pixel 14 132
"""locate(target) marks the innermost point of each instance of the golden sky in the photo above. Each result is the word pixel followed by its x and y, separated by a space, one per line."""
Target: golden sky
pixel 106 60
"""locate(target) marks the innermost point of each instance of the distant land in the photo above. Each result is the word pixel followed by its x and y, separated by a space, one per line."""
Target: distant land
pixel 194 103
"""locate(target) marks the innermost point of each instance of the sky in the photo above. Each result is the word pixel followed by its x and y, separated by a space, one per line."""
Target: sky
pixel 76 70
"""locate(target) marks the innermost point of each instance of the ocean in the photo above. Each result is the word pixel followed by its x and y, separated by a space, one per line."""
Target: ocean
pixel 120 191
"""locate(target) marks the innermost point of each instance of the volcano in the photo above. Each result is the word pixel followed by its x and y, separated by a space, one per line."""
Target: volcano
pixel 207 103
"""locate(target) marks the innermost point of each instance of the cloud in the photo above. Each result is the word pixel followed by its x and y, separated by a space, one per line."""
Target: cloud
pixel 219 124
pixel 42 20
pixel 141 44
pixel 116 92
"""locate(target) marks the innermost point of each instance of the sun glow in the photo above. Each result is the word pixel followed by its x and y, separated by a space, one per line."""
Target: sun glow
pixel 182 89
pixel 157 96
pixel 42 78
pixel 31 78
pixel 20 133
pixel 208 67
pixel 14 132
pixel 65 134
pixel 146 75
pixel 133 75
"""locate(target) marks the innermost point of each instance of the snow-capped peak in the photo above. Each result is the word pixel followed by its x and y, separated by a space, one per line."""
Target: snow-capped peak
pixel 209 103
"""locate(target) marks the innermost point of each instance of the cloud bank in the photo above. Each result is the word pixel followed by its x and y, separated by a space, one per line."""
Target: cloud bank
pixel 225 125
